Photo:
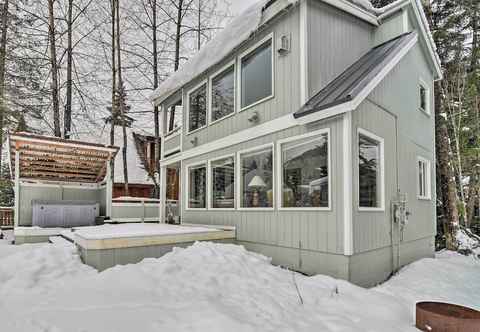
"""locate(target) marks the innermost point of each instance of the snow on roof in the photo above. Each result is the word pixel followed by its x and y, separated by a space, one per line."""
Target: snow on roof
pixel 234 34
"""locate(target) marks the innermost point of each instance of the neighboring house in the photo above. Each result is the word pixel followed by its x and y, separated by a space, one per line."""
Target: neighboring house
pixel 309 126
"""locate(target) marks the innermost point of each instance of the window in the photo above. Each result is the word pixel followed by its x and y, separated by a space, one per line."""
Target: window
pixel 174 117
pixel 197 108
pixel 256 179
pixel 223 94
pixel 370 172
pixel 305 173
pixel 223 183
pixel 257 75
pixel 197 180
pixel 424 98
pixel 423 178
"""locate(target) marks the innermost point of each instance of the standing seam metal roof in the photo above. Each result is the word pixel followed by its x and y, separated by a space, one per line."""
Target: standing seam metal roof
pixel 355 78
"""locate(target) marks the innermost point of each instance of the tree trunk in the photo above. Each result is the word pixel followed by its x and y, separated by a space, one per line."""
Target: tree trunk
pixel 473 192
pixel 178 34
pixel 3 56
pixel 54 66
pixel 121 96
pixel 199 32
pixel 155 86
pixel 445 174
pixel 114 90
pixel 67 116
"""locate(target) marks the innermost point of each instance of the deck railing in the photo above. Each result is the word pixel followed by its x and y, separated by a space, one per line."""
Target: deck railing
pixel 6 217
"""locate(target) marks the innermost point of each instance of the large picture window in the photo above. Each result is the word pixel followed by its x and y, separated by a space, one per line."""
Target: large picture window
pixel 305 173
pixel 423 178
pixel 223 93
pixel 256 179
pixel 197 108
pixel 257 75
pixel 223 183
pixel 197 187
pixel 370 150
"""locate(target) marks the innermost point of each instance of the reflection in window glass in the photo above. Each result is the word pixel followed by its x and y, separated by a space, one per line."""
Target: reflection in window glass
pixel 257 75
pixel 197 111
pixel 423 98
pixel 223 94
pixel 223 183
pixel 369 172
pixel 423 179
pixel 174 117
pixel 256 179
pixel 305 173
pixel 197 188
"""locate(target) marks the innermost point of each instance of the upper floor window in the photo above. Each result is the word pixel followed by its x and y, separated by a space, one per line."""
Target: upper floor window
pixel 424 97
pixel 223 93
pixel 370 171
pixel 423 178
pixel 257 74
pixel 197 108
pixel 305 173
pixel 174 117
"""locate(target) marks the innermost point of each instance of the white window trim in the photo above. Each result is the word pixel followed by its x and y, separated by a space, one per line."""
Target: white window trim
pixel 423 84
pixel 279 163
pixel 210 183
pixel 204 82
pixel 239 174
pixel 172 133
pixel 210 92
pixel 380 140
pixel 187 183
pixel 428 179
pixel 239 72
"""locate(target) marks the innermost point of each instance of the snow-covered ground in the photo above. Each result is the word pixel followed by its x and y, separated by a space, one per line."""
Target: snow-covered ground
pixel 213 287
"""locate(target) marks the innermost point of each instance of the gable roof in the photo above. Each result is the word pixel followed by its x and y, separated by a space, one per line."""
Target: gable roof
pixel 244 26
pixel 357 81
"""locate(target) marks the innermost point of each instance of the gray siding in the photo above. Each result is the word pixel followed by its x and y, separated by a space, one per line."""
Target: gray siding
pixel 172 144
pixel 136 212
pixel 286 84
pixel 390 28
pixel 320 231
pixel 394 107
pixel 335 41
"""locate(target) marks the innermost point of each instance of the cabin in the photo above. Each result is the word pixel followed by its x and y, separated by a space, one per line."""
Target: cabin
pixel 308 126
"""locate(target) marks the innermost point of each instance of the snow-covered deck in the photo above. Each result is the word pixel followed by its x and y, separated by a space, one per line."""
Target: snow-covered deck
pixel 138 235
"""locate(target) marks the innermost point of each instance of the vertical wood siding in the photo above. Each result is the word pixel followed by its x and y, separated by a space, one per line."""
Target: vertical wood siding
pixel 335 41
pixel 312 230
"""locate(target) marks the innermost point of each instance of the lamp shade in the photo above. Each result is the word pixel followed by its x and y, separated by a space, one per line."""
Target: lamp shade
pixel 257 182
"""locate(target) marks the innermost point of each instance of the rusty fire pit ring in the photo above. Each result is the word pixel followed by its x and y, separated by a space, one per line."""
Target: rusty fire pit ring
pixel 446 317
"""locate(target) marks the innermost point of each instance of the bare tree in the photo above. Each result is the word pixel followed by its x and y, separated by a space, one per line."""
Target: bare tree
pixel 3 55
pixel 121 96
pixel 54 69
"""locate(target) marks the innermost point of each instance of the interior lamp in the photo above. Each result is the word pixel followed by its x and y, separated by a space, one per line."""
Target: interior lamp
pixel 256 183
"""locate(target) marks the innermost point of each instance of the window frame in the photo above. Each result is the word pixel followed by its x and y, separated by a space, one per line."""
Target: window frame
pixel 189 92
pixel 279 163
pixel 239 175
pixel 427 177
pixel 176 131
pixel 381 141
pixel 210 183
pixel 423 84
pixel 187 184
pixel 210 92
pixel 244 54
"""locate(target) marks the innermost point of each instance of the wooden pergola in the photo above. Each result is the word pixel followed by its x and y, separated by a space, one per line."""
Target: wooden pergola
pixel 44 158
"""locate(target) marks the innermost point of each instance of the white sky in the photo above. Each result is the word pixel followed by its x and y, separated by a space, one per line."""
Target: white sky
pixel 237 6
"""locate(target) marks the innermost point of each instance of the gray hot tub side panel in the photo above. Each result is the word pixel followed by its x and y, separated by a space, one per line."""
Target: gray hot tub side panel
pixel 106 258
pixel 29 193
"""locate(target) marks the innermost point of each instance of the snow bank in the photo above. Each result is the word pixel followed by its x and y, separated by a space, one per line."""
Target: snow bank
pixel 212 287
